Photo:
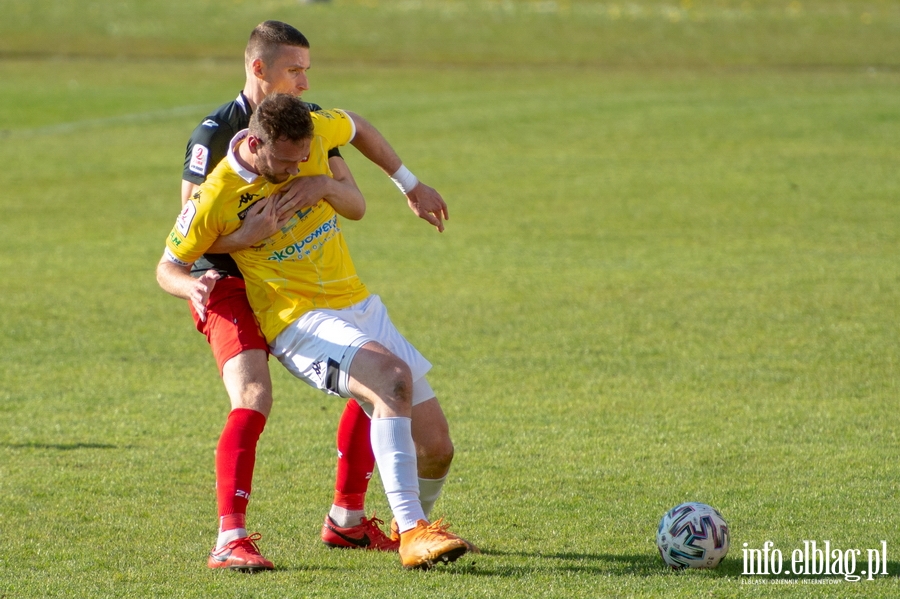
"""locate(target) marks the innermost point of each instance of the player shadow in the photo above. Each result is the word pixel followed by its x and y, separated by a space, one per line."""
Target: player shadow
pixel 641 565
pixel 60 446
pixel 565 562
pixel 281 569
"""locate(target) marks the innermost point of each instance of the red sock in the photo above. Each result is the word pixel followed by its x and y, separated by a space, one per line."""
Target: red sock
pixel 355 458
pixel 232 521
pixel 235 459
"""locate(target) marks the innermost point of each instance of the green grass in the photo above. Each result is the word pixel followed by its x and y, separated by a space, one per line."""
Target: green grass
pixel 487 32
pixel 666 277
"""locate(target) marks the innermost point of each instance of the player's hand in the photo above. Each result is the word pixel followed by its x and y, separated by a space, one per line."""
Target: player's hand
pixel 260 222
pixel 300 194
pixel 199 294
pixel 428 204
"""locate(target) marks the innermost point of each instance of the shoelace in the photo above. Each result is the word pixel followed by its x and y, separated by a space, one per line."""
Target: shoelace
pixel 372 521
pixel 249 543
pixel 374 525
pixel 438 528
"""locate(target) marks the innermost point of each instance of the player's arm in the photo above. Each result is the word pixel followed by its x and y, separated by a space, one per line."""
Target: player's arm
pixel 187 190
pixel 188 239
pixel 423 200
pixel 176 280
pixel 339 190
pixel 267 216
pixel 207 145
pixel 258 224
pixel 261 222
pixel 197 226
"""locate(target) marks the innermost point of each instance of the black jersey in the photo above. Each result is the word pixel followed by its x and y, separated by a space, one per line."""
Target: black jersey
pixel 207 146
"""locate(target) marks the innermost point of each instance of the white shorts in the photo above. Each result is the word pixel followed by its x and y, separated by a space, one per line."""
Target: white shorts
pixel 319 347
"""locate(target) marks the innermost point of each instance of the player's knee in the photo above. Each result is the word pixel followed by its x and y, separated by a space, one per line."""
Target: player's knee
pixel 253 397
pixel 399 380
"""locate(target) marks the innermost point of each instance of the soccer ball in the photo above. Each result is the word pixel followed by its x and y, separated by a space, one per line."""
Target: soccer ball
pixel 692 535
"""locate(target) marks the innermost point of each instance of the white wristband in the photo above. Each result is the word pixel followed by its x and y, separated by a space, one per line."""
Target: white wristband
pixel 404 180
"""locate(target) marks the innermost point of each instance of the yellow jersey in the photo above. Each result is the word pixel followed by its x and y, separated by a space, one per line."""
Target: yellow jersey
pixel 306 265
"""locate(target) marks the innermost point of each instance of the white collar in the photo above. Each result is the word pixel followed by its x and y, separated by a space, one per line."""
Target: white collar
pixel 245 174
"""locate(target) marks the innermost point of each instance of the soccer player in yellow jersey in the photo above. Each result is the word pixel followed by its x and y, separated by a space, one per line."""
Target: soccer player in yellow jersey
pixel 277 60
pixel 319 319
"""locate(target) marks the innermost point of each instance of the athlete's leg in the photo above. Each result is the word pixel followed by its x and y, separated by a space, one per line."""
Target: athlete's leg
pixel 355 465
pixel 246 378
pixel 330 354
pixel 383 379
pixel 434 454
pixel 380 378
pixel 241 353
pixel 434 450
pixel 430 431
pixel 346 525
pixel 247 381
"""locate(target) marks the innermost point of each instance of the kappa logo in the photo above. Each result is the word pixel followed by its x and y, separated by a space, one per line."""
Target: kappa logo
pixel 199 159
pixel 247 198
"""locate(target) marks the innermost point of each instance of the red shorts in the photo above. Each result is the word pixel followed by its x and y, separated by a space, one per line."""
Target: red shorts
pixel 230 326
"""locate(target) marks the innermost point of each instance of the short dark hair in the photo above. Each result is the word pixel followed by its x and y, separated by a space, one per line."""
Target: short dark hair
pixel 267 38
pixel 281 117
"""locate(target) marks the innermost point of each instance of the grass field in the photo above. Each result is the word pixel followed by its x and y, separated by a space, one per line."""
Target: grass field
pixel 670 274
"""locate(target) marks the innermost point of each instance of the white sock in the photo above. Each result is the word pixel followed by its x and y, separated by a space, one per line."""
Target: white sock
pixel 429 491
pixel 346 518
pixel 228 536
pixel 395 455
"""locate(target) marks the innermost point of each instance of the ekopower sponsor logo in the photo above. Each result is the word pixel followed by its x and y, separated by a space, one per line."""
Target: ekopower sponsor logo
pixel 820 559
pixel 298 250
